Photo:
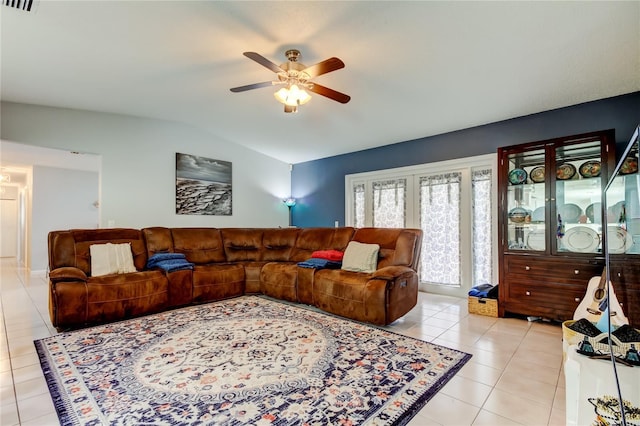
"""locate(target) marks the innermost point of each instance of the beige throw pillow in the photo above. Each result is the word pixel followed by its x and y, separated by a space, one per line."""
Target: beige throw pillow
pixel 360 257
pixel 111 259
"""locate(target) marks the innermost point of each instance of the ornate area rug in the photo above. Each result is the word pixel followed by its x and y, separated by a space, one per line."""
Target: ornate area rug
pixel 248 360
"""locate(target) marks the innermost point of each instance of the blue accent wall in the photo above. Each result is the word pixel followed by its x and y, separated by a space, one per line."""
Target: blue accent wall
pixel 318 186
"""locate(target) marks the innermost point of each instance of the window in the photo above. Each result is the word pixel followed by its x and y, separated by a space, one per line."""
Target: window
pixel 453 202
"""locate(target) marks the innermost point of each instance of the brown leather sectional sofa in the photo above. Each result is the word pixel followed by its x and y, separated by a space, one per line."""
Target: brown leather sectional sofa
pixel 230 262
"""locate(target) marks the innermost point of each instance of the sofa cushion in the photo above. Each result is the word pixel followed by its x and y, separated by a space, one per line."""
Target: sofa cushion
pixel 360 257
pixel 111 259
pixel 278 243
pixel 242 244
pixel 199 245
pixel 119 296
pixel 74 247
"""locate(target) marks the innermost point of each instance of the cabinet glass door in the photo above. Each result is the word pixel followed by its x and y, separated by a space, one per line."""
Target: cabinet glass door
pixel 525 201
pixel 623 203
pixel 578 198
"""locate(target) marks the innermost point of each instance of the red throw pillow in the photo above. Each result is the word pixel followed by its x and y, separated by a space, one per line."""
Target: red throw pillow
pixel 334 255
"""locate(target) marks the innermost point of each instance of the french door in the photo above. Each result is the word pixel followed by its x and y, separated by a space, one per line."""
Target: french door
pixel 453 202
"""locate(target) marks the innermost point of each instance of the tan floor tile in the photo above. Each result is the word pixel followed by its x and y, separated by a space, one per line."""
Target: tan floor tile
pixel 527 388
pixel 497 360
pixel 7 394
pixel 487 418
pixel 36 407
pixel 461 336
pixel 514 407
pixel 544 374
pixel 25 360
pixel 480 373
pixel 497 343
pixel 31 388
pixel 420 420
pixel 29 372
pixel 9 415
pixel 449 411
pixel 466 390
pixel 558 417
pixel 47 420
pixel 539 357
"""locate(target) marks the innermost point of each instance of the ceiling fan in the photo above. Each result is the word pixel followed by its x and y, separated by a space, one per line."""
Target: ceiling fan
pixel 295 77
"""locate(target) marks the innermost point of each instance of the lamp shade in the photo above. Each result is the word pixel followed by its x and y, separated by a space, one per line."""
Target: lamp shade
pixel 289 202
pixel 292 96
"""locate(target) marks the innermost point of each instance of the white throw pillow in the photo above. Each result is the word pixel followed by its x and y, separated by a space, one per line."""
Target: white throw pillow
pixel 111 259
pixel 360 257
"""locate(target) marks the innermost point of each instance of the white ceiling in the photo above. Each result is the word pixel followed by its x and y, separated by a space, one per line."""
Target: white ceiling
pixel 413 69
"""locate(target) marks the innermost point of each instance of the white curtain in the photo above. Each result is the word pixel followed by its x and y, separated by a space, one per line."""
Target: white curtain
pixel 440 222
pixel 482 230
pixel 358 205
pixel 389 203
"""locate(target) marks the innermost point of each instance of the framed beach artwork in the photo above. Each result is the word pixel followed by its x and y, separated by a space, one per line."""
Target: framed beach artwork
pixel 203 185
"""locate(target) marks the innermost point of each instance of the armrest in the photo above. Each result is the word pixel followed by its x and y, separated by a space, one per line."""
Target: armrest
pixel 390 273
pixel 67 273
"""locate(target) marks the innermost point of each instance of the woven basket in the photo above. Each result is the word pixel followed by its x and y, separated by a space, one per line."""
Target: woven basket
pixel 483 306
pixel 572 337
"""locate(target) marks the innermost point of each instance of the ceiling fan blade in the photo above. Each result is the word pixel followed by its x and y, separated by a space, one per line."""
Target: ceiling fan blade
pixel 263 61
pixel 329 93
pixel 324 67
pixel 251 86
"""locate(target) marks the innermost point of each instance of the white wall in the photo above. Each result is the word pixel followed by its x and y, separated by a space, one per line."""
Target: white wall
pixel 60 199
pixel 138 165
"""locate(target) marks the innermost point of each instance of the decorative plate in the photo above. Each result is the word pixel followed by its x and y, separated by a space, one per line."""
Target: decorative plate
pixel 594 212
pixel 590 169
pixel 518 215
pixel 565 171
pixel 535 240
pixel 517 176
pixel 618 240
pixel 630 165
pixel 581 239
pixel 538 215
pixel 537 174
pixel 570 213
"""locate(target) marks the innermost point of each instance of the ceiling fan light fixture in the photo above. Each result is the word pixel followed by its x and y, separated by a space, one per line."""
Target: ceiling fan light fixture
pixel 292 96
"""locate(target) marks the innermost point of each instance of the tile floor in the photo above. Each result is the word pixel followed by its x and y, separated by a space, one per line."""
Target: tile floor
pixel 514 378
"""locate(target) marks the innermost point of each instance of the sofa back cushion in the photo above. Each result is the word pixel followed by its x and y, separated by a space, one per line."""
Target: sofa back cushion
pixel 242 244
pixel 312 239
pixel 158 240
pixel 72 247
pixel 398 247
pixel 199 245
pixel 278 243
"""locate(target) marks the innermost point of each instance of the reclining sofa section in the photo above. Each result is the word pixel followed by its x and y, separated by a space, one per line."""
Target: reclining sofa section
pixel 230 262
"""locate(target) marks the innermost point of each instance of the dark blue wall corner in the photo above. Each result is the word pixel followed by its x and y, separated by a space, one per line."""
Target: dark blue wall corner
pixel 318 186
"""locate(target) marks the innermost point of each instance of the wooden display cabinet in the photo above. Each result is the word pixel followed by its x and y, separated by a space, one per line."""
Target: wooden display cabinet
pixel 551 222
